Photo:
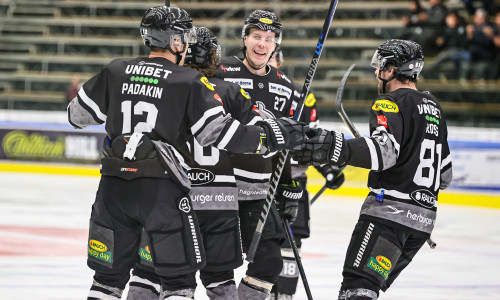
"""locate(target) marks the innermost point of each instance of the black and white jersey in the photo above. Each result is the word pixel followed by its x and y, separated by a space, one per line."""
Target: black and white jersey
pixel 272 94
pixel 409 157
pixel 213 185
pixel 167 101
pixel 309 116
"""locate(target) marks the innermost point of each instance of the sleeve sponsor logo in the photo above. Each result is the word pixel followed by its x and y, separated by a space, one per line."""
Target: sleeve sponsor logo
pixel 245 94
pixel 283 76
pixel 310 100
pixel 218 98
pixel 382 120
pixel 386 106
pixel 313 115
pixel 280 90
pixel 265 21
pixel 207 83
pixel 244 83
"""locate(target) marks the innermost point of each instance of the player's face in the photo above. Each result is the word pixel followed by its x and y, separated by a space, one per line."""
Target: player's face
pixel 260 45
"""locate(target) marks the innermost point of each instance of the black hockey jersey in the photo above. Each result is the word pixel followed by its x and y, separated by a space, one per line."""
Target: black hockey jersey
pixel 409 157
pixel 212 176
pixel 164 100
pixel 272 94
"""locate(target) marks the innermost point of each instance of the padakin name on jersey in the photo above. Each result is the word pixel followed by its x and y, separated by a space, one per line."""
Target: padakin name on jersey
pixel 147 78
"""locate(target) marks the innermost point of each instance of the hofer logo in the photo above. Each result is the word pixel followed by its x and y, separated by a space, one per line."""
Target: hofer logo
pixel 200 176
pixel 424 198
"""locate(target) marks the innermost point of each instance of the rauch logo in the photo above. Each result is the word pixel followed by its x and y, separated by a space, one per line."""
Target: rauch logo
pixel 200 176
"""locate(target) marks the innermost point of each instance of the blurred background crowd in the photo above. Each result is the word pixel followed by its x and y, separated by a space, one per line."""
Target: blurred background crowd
pixel 48 48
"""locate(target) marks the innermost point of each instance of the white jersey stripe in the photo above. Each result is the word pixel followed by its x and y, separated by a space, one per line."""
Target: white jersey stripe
pixel 229 134
pixel 210 112
pixel 373 153
pixel 446 161
pixel 255 120
pixel 224 178
pixel 90 103
pixel 252 175
pixel 393 193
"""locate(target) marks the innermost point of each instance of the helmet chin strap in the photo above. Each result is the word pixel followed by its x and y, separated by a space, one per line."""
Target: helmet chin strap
pixel 384 81
pixel 178 55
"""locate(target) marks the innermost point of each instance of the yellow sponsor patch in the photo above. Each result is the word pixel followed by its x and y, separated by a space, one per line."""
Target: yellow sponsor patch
pixel 310 100
pixel 385 105
pixel 266 21
pixel 384 262
pixel 207 83
pixel 98 246
pixel 245 94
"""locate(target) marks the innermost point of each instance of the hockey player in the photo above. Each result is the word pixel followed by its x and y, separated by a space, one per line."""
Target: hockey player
pixel 151 107
pixel 271 92
pixel 289 277
pixel 214 194
pixel 410 161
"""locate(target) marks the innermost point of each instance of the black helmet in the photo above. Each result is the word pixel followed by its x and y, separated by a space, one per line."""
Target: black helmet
pixel 263 20
pixel 405 56
pixel 161 25
pixel 199 52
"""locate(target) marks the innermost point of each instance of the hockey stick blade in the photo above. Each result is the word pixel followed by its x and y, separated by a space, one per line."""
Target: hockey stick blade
pixel 340 107
pixel 350 125
pixel 283 154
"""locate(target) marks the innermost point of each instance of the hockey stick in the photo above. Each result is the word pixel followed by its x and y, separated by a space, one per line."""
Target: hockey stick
pixel 350 125
pixel 296 254
pixel 340 110
pixel 275 177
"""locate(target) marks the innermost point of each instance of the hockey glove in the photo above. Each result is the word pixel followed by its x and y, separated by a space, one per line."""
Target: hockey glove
pixel 280 134
pixel 334 177
pixel 287 200
pixel 323 147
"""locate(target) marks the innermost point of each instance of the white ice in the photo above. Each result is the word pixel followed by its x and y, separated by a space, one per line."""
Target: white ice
pixel 44 218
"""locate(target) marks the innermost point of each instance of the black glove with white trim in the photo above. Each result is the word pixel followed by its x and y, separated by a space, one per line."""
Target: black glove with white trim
pixel 323 147
pixel 282 133
pixel 333 175
pixel 287 200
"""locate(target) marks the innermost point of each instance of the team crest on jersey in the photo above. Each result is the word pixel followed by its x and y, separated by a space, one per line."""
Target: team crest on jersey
pixel 184 205
pixel 280 90
pixel 244 83
pixel 386 106
pixel 245 94
pixel 207 83
pixel 263 111
pixel 310 100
